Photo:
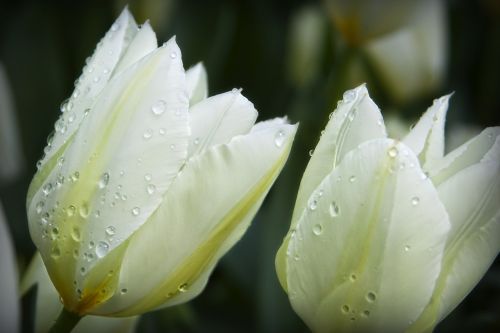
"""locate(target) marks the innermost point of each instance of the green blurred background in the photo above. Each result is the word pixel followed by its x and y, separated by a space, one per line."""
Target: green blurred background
pixel 291 58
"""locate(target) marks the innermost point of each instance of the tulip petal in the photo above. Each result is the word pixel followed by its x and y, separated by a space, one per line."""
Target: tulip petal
pixel 48 306
pixel 426 139
pixel 356 120
pixel 473 241
pixel 224 186
pixel 94 78
pixel 471 152
pixel 197 83
pixel 124 157
pixel 217 119
pixel 9 304
pixel 383 229
pixel 144 42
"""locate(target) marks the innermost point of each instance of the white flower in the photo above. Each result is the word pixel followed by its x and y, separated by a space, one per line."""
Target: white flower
pixel 386 235
pixel 146 183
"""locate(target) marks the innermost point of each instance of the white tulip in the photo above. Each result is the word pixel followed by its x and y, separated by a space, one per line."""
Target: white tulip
pixel 387 235
pixel 146 183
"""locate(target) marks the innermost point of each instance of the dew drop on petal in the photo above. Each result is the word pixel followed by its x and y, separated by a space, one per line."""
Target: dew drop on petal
pixel 334 209
pixel 279 138
pixel 75 234
pixel 101 249
pixel 148 177
pixel 71 210
pixel 148 134
pixel 345 308
pixel 39 207
pixel 104 180
pixel 392 152
pixel 151 188
pixel 349 96
pixel 352 179
pixel 173 55
pixel 110 231
pixel 136 211
pixel 371 297
pixel 407 248
pixel 159 107
pixel 313 204
pixel 183 287
pixel 317 229
pixel 415 201
pixel 84 210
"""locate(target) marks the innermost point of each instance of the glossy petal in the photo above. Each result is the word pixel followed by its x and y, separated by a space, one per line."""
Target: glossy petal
pixel 143 43
pixel 9 303
pixel 382 259
pixel 139 141
pixel 48 306
pixel 96 74
pixel 181 246
pixel 356 120
pixel 197 83
pixel 466 155
pixel 426 139
pixel 473 241
pixel 217 119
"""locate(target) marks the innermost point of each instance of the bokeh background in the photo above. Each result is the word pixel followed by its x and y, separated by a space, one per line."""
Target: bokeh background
pixel 291 58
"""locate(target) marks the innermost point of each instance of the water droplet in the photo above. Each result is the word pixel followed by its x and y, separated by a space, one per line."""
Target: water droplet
pixel 173 55
pixel 148 177
pixel 46 189
pixel 84 210
pixel 345 308
pixel 196 141
pixel 39 207
pixel 172 147
pixel 55 253
pixel 148 134
pixel 311 152
pixel 45 218
pixel 110 231
pixel 349 96
pixel 407 248
pixel 313 204
pixel 71 118
pixel 71 210
pixel 82 270
pixel 317 229
pixel 91 244
pixel 415 201
pixel 159 107
pixel 115 27
pixel 334 209
pixel 162 131
pixel 279 138
pixel 151 188
pixel 101 249
pixel 75 234
pixel 371 297
pixel 352 179
pixel 136 211
pixel 104 180
pixel 392 152
pixel 123 291
pixel 353 277
pixel 75 176
pixel 183 287
pixel 96 79
pixel 365 314
pixel 55 233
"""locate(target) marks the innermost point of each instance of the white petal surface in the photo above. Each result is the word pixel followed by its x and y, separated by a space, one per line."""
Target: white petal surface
pixel 426 139
pixel 144 42
pixel 197 83
pixel 474 238
pixel 96 74
pixel 48 306
pixel 359 261
pixel 217 119
pixel 9 301
pixel 121 161
pixel 356 120
pixel 224 186
pixel 466 155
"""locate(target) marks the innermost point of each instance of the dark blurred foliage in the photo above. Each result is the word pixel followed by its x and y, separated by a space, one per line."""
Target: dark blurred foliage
pixel 43 45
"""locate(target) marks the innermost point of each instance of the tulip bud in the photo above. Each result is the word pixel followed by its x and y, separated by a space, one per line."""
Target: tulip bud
pixel 383 237
pixel 145 183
